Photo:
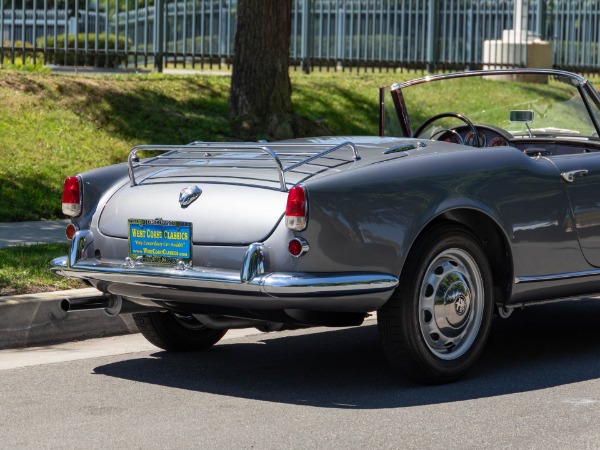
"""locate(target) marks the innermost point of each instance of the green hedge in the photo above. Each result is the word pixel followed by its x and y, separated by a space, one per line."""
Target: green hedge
pixel 22 58
pixel 103 58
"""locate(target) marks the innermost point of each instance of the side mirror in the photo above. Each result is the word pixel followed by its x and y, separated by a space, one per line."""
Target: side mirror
pixel 521 116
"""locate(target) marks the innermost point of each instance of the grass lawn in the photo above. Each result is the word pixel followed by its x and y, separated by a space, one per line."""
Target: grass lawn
pixel 24 269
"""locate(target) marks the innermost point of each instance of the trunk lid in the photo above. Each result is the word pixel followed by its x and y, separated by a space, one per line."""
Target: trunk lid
pixel 244 186
pixel 222 214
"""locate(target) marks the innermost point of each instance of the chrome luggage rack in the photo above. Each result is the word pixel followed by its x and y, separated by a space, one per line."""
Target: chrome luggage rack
pixel 182 155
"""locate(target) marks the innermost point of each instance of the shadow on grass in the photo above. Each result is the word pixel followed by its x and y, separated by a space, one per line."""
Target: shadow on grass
pixel 29 198
pixel 181 110
pixel 539 348
pixel 171 112
pixel 353 116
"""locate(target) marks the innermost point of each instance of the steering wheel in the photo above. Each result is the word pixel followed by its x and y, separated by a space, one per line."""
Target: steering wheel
pixel 454 133
pixel 449 114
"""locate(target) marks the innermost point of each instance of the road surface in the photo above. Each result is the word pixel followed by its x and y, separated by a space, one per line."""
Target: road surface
pixel 537 386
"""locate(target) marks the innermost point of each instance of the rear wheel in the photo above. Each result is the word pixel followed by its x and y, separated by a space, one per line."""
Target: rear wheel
pixel 176 332
pixel 436 324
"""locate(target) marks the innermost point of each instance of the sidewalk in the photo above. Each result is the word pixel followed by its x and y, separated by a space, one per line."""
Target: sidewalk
pixel 18 233
pixel 37 319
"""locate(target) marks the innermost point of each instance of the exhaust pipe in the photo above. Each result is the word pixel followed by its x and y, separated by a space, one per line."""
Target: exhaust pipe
pixel 226 323
pixel 112 305
pixel 85 303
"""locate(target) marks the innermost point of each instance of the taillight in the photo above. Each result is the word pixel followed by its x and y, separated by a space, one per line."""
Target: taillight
pixel 71 198
pixel 296 209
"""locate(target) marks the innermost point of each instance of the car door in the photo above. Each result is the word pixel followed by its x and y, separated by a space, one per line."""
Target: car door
pixel 580 175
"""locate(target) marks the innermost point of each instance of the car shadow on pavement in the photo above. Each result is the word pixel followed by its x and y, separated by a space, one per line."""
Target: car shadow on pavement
pixel 537 348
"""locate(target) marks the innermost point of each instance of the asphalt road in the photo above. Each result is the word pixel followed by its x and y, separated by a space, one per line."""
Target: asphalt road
pixel 537 386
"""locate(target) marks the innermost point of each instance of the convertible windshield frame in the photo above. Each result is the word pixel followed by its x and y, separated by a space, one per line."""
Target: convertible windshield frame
pixel 586 92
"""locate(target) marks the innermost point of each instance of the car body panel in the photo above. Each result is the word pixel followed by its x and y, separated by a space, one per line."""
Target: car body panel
pixel 583 197
pixel 402 208
pixel 215 214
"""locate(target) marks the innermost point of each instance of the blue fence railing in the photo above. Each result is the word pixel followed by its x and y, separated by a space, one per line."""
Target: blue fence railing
pixel 433 34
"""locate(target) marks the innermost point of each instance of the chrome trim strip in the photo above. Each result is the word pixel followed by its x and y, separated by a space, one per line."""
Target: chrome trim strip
pixel 311 285
pixel 521 305
pixel 400 148
pixel 81 264
pixel 276 284
pixel 558 276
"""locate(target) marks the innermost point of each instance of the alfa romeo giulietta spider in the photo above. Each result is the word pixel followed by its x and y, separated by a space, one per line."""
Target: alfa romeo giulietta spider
pixel 479 194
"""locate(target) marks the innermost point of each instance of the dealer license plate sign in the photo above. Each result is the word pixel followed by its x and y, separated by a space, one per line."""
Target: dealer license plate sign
pixel 160 241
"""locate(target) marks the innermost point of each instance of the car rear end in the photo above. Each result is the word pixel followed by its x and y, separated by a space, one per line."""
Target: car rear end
pixel 212 226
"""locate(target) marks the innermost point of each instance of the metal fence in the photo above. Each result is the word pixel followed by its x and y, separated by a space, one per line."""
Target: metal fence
pixel 432 34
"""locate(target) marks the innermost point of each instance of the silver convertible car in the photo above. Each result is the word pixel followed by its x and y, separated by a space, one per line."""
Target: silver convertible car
pixel 480 195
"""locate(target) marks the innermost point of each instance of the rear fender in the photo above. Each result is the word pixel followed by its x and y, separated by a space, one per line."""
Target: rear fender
pixel 98 186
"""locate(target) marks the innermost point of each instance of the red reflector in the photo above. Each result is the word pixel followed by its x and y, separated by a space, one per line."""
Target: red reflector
pixel 298 247
pixel 295 247
pixel 71 198
pixel 70 231
pixel 295 210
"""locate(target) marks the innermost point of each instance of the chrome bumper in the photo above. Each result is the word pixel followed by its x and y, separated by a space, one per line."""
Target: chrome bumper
pixel 225 287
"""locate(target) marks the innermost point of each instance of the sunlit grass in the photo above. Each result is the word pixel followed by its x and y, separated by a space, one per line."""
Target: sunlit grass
pixel 26 64
pixel 24 269
pixel 55 126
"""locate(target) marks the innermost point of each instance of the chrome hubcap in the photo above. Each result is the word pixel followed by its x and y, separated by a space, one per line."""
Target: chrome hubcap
pixel 451 303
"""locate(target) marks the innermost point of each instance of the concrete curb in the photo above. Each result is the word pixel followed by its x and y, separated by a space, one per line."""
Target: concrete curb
pixel 37 319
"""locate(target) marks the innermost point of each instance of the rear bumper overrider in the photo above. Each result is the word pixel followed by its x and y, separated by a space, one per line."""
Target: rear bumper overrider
pixel 250 287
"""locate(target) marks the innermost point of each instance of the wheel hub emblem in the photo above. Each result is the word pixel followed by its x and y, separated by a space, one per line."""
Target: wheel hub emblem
pixel 460 305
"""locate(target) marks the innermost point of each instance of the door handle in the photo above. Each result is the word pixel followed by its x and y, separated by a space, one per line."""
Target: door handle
pixel 569 177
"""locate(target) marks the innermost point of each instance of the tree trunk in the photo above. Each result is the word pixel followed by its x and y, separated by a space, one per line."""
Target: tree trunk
pixel 260 98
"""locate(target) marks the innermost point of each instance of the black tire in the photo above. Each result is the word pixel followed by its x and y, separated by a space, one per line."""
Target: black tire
pixel 435 325
pixel 174 332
